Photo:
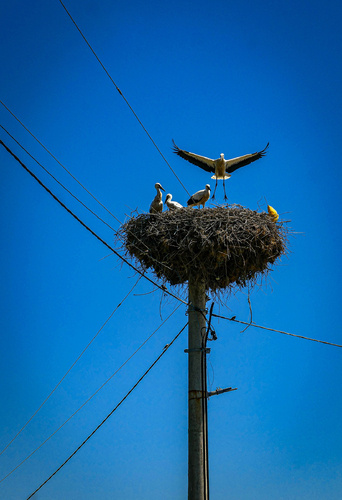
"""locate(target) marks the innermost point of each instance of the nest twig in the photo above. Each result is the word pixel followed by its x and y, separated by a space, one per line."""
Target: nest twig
pixel 227 246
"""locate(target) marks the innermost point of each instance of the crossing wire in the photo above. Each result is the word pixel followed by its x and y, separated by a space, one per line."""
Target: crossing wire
pixel 91 397
pixel 124 98
pixel 71 194
pixel 56 159
pixel 161 287
pixel 111 413
pixel 66 189
pixel 274 330
pixel 71 367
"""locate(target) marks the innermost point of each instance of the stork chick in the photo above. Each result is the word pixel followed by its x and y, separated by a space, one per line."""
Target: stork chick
pixel 157 204
pixel 222 168
pixel 200 198
pixel 172 205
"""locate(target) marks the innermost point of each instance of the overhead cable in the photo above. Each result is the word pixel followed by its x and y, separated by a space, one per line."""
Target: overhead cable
pixel 56 159
pixel 124 98
pixel 58 182
pixel 91 397
pixel 111 413
pixel 161 287
pixel 117 233
pixel 74 363
pixel 274 330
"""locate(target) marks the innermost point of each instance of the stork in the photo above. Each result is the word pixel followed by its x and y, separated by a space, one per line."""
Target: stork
pixel 222 168
pixel 200 198
pixel 157 204
pixel 172 205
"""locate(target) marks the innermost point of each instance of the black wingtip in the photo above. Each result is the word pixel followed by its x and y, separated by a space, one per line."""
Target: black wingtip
pixel 175 147
pixel 263 151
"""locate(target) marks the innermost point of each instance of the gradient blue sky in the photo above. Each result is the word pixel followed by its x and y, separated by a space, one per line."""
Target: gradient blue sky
pixel 217 77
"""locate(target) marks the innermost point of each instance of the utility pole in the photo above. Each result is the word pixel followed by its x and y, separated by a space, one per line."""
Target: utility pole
pixel 198 481
pixel 209 258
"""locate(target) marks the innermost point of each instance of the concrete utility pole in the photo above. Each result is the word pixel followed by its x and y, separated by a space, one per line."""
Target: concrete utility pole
pixel 198 483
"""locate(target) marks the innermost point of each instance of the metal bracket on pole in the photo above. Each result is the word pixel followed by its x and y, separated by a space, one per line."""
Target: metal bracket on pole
pixel 198 349
pixel 220 391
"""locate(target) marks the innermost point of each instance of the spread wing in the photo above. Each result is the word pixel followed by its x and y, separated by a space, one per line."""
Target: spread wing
pixel 241 161
pixel 201 161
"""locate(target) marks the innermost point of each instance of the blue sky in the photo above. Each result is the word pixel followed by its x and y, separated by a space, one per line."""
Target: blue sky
pixel 217 77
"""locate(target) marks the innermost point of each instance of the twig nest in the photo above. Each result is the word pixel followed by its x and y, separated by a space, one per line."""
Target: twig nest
pixel 226 246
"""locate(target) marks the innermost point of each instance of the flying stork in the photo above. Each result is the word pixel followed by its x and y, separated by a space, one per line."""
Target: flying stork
pixel 172 205
pixel 157 204
pixel 222 168
pixel 200 198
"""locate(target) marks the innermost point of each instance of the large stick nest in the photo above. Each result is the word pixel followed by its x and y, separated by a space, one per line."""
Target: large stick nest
pixel 227 246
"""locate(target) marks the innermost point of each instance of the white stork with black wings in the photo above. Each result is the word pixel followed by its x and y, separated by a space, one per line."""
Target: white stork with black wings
pixel 221 168
pixel 200 198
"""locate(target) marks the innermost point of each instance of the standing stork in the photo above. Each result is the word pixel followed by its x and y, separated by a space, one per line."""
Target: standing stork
pixel 157 204
pixel 222 168
pixel 200 198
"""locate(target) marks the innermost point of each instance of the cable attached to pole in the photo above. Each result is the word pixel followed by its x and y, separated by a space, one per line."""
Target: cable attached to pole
pixel 110 414
pixel 274 330
pixel 205 403
pixel 161 287
pixel 90 397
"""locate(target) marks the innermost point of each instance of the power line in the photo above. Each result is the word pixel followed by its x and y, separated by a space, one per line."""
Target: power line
pixel 124 98
pixel 91 397
pixel 161 287
pixel 274 330
pixel 117 233
pixel 58 182
pixel 74 363
pixel 111 413
pixel 68 171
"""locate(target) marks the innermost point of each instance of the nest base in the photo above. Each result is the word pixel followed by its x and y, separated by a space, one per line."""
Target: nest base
pixel 226 246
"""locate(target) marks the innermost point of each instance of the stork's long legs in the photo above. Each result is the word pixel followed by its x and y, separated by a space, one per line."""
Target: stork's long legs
pixel 213 196
pixel 224 189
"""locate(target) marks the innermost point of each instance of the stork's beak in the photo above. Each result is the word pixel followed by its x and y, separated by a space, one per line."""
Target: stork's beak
pixel 162 188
